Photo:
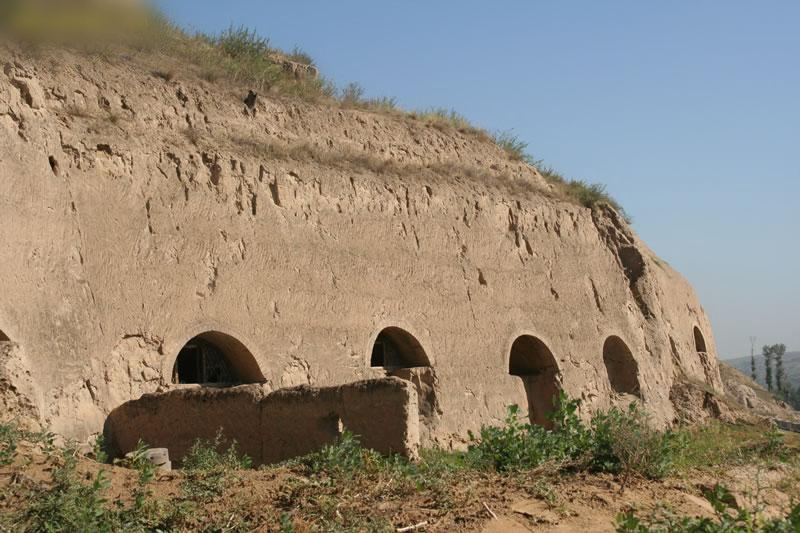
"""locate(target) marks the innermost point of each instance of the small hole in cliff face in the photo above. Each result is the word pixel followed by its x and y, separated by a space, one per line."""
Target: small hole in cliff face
pixel 273 189
pixel 533 362
pixel 481 278
pixel 4 337
pixel 105 148
pixel 53 164
pixel 216 174
pixel 622 368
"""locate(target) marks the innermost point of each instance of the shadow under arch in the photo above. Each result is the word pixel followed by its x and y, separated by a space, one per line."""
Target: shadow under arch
pixel 213 357
pixel 532 361
pixel 621 367
pixel 699 341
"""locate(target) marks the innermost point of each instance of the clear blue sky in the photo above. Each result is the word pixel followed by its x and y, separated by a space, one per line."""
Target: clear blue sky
pixel 689 112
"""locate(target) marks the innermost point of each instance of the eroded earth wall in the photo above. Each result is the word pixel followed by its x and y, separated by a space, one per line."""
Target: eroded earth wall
pixel 137 213
pixel 271 427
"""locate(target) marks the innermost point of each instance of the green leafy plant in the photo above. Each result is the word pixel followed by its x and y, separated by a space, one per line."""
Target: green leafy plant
pixel 69 505
pixel 625 442
pixel 99 451
pixel 616 441
pixel 9 438
pixel 518 445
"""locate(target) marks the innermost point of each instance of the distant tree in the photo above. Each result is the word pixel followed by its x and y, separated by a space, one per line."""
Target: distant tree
pixel 778 350
pixel 753 359
pixel 766 351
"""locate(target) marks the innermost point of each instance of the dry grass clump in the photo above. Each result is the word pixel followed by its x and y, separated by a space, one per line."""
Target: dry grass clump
pixel 357 161
pixel 237 55
pixel 516 148
pixel 585 193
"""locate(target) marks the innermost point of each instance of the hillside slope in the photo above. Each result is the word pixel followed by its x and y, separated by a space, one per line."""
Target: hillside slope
pixel 791 364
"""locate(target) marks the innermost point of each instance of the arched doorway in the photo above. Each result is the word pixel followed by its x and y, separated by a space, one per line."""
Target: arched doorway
pixel 533 362
pixel 622 368
pixel 214 358
pixel 401 355
pixel 699 341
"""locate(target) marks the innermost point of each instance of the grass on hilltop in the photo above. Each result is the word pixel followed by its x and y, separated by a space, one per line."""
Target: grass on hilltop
pixel 241 56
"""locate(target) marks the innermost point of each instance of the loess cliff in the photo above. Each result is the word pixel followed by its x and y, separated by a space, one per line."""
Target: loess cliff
pixel 141 214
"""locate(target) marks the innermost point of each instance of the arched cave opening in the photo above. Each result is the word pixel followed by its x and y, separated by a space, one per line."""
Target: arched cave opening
pixel 401 355
pixel 214 358
pixel 622 368
pixel 699 341
pixel 533 362
pixel 397 348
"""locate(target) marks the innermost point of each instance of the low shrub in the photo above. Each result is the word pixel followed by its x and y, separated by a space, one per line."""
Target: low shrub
pixel 625 442
pixel 208 468
pixel 520 446
pixel 615 441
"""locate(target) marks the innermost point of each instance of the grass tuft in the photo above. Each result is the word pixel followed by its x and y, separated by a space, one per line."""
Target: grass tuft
pixel 208 468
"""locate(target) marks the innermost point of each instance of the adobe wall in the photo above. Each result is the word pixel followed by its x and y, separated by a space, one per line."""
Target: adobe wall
pixel 137 213
pixel 271 427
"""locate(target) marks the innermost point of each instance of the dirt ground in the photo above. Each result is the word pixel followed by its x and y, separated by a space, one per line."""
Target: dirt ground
pixel 283 498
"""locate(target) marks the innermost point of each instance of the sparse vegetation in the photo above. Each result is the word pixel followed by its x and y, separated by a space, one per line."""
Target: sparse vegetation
pixel 338 487
pixel 516 148
pixel 726 519
pixel 586 194
pixel 299 55
pixel 446 119
pixel 616 441
pixel 69 504
pixel 716 446
pixel 208 468
pixel 242 57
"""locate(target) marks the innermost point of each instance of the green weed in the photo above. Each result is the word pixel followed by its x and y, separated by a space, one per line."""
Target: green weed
pixel 208 468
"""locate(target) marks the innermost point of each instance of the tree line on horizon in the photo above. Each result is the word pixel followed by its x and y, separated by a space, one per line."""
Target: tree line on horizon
pixel 775 375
